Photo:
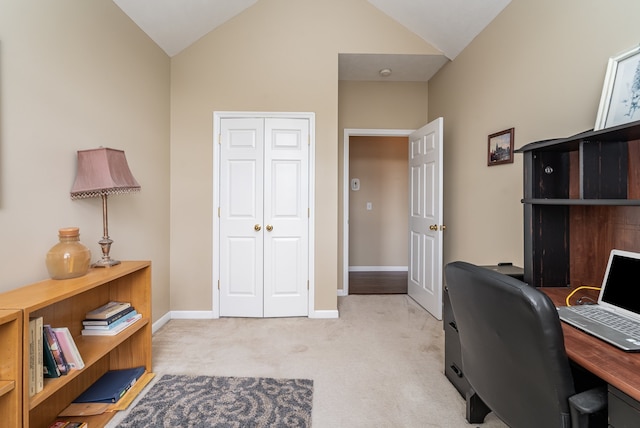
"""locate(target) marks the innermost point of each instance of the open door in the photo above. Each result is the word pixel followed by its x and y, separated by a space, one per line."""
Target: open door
pixel 425 217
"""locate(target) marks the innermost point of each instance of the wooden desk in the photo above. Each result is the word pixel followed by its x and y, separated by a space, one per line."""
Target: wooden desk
pixel 619 369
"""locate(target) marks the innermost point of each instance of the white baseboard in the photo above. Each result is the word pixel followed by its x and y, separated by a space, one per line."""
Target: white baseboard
pixel 193 315
pixel 330 314
pixel 162 321
pixel 207 315
pixel 378 268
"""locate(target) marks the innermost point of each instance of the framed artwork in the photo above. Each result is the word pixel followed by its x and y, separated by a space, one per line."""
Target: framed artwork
pixel 620 100
pixel 500 148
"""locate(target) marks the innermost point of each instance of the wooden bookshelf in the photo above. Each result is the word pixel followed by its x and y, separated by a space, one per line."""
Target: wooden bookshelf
pixel 63 303
pixel 10 367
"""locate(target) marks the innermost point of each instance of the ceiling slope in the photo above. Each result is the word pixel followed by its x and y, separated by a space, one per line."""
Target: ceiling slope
pixel 176 24
pixel 448 25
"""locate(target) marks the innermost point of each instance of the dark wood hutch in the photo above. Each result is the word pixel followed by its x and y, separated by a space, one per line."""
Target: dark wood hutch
pixel 581 199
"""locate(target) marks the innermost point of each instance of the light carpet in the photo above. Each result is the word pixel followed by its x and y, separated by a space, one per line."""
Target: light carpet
pixel 379 365
pixel 204 401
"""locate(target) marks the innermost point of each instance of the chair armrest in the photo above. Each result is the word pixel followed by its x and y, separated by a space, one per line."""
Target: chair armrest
pixel 587 403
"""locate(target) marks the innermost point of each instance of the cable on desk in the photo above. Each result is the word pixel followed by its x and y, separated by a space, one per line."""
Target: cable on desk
pixel 583 287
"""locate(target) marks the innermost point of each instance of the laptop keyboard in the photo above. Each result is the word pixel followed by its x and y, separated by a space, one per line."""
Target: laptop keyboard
pixel 615 321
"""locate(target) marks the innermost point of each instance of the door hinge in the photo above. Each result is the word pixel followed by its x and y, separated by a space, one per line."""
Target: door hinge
pixel 218 212
pixel 220 138
pixel 309 140
pixel 308 212
pixel 218 284
pixel 307 284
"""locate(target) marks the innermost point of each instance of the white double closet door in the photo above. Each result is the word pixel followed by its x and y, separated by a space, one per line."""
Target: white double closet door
pixel 264 217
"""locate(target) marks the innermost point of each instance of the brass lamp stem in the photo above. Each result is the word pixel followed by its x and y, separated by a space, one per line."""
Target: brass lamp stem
pixel 105 242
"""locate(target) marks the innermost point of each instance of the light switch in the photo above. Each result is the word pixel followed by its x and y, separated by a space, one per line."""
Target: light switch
pixel 355 184
pixel 369 206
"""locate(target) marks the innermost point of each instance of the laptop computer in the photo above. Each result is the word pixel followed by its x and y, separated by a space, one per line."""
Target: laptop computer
pixel 619 298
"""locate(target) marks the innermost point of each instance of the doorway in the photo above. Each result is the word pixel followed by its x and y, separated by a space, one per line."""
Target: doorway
pixel 424 212
pixel 378 221
pixel 348 133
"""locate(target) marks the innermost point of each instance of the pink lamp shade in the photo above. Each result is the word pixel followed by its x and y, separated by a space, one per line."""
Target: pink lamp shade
pixel 102 171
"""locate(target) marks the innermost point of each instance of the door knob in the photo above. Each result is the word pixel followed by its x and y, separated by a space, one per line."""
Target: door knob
pixel 433 227
pixel 443 227
pixel 269 228
pixel 257 228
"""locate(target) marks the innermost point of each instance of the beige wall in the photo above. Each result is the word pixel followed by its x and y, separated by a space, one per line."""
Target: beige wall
pixel 375 105
pixel 278 55
pixel 77 74
pixel 378 237
pixel 538 67
pixel 74 75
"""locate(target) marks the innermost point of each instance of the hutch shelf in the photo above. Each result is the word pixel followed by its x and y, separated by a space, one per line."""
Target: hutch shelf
pixel 581 199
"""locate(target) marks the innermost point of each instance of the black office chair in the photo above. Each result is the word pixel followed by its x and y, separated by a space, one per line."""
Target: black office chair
pixel 513 354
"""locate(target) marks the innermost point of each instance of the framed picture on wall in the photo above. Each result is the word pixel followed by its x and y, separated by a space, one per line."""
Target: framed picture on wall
pixel 620 100
pixel 500 148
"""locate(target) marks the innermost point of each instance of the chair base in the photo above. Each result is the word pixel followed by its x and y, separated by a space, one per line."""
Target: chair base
pixel 476 409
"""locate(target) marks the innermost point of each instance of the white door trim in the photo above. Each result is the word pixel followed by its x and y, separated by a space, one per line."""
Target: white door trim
pixel 217 117
pixel 355 132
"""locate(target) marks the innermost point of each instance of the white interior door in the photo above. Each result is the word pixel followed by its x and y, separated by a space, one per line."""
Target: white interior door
pixel 241 217
pixel 286 217
pixel 264 220
pixel 425 217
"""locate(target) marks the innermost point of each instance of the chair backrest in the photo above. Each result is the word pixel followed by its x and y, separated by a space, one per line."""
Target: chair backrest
pixel 512 346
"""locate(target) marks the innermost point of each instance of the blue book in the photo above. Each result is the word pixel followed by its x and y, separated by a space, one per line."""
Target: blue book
pixel 111 386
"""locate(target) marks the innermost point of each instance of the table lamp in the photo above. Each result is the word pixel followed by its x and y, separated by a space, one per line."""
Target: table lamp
pixel 102 172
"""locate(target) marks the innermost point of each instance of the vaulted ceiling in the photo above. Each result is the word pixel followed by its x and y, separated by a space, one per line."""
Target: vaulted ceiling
pixel 448 25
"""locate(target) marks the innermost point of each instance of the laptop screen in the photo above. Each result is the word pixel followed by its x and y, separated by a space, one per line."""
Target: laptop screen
pixel 621 285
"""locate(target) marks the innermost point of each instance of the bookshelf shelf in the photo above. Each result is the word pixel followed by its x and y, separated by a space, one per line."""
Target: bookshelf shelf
pixel 64 303
pixel 6 386
pixel 92 351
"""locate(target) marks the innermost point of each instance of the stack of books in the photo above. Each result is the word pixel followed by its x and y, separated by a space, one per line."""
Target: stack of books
pixel 109 319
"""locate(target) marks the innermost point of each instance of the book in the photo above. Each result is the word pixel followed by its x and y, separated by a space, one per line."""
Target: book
pixel 68 346
pixel 68 424
pixel 109 320
pixel 106 311
pixel 115 324
pixel 39 355
pixel 56 350
pixel 50 368
pixel 112 332
pixel 32 357
pixel 87 409
pixel 36 362
pixel 111 386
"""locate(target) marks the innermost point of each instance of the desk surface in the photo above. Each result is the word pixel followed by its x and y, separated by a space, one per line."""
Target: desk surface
pixel 618 368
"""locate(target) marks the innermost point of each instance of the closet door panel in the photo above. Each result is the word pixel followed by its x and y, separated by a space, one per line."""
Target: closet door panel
pixel 286 217
pixel 241 216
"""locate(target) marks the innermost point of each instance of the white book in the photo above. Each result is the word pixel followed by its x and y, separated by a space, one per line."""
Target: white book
pixel 32 357
pixel 69 348
pixel 39 355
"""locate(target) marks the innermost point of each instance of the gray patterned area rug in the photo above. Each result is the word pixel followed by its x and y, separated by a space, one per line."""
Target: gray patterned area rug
pixel 204 401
